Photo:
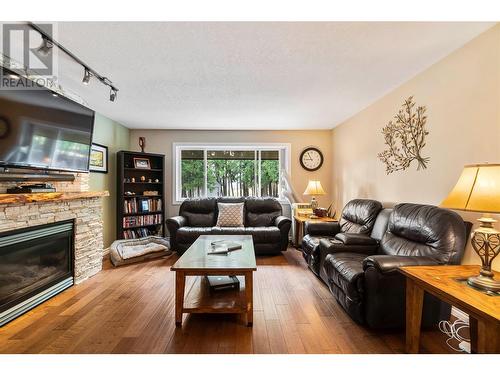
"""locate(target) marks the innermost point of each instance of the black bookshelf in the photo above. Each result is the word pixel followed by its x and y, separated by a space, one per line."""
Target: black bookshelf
pixel 139 214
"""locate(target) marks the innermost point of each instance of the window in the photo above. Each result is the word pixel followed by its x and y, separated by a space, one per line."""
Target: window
pixel 232 170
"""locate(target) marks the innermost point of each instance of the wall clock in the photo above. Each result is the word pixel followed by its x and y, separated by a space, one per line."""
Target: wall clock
pixel 311 159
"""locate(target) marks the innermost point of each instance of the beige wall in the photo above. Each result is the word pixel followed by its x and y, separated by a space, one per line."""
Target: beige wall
pixel 160 141
pixel 462 96
pixel 108 133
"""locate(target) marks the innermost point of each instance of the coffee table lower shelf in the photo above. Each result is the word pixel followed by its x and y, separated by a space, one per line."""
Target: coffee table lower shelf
pixel 198 299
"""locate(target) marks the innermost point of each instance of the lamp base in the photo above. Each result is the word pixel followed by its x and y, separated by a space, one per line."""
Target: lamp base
pixel 484 283
pixel 314 203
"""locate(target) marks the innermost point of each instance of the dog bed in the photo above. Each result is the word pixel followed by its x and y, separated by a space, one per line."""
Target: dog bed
pixel 136 250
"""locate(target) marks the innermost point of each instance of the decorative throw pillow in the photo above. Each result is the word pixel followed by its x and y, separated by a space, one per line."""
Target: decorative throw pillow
pixel 230 215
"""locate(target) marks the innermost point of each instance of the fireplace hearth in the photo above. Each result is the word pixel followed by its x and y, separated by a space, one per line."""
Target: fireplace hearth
pixel 36 263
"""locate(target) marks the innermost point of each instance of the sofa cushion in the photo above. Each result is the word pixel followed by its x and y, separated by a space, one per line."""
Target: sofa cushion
pixel 188 235
pixel 358 216
pixel 230 214
pixel 270 235
pixel 235 231
pixel 261 212
pixel 199 212
pixel 424 230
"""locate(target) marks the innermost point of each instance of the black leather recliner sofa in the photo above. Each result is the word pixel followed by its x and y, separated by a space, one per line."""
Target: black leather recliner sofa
pixel 363 276
pixel 354 227
pixel 262 219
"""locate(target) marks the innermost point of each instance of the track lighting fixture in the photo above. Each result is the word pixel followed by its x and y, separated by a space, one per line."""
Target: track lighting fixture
pixel 48 43
pixel 112 94
pixel 46 46
pixel 86 77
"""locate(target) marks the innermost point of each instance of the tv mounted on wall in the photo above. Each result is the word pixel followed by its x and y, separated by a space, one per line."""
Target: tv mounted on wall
pixel 40 129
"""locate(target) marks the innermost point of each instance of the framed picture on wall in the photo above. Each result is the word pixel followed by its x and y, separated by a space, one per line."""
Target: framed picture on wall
pixel 98 158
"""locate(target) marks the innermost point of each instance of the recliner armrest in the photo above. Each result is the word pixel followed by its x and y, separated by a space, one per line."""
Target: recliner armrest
pixel 333 246
pixel 328 228
pixel 390 263
pixel 281 221
pixel 176 222
pixel 356 239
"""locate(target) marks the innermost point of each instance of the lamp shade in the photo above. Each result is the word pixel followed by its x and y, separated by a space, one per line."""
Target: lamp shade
pixel 314 188
pixel 477 189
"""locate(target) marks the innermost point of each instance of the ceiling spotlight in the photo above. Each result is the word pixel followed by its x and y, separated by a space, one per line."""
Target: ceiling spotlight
pixel 86 77
pixel 13 76
pixel 112 94
pixel 46 47
pixel 54 95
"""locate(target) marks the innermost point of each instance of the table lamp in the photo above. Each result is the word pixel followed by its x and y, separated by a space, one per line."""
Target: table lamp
pixel 478 190
pixel 314 188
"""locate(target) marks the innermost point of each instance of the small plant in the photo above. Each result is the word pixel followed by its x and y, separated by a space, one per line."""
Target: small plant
pixel 405 138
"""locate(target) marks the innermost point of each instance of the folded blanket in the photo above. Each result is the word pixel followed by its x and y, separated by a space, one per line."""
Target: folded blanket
pixel 131 251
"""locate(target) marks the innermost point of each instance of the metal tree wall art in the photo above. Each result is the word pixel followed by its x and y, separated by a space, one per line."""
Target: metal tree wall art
pixel 405 138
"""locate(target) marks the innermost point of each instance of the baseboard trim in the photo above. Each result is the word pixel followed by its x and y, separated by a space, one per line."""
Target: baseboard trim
pixel 459 314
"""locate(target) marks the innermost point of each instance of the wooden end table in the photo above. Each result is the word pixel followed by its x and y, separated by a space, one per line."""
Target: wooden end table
pixel 196 262
pixel 448 284
pixel 299 225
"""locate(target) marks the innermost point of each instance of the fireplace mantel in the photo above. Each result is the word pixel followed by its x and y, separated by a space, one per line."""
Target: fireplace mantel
pixel 48 197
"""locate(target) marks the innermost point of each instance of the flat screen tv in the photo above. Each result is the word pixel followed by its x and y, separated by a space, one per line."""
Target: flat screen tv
pixel 40 129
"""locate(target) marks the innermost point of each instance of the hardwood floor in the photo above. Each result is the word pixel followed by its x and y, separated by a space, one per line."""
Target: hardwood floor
pixel 131 310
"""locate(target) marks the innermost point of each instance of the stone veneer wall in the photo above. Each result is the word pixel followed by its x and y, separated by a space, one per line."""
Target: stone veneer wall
pixel 80 184
pixel 87 213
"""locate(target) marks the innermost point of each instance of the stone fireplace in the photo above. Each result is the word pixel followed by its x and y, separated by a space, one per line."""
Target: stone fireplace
pixel 19 212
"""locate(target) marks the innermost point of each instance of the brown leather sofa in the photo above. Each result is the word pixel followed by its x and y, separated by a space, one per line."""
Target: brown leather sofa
pixel 263 220
pixel 362 273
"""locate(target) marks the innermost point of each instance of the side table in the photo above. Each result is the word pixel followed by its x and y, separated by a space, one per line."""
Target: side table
pixel 299 226
pixel 448 283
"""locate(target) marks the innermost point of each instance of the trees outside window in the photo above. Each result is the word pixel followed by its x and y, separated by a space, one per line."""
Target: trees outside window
pixel 193 175
pixel 269 173
pixel 206 172
pixel 230 173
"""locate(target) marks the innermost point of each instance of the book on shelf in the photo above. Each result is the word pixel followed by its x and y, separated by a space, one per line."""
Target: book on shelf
pixel 141 205
pixel 134 221
pixel 139 233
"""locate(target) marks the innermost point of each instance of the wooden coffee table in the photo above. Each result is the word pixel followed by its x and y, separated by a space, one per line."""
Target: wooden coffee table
pixel 196 262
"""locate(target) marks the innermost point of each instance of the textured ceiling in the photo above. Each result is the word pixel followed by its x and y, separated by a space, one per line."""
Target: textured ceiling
pixel 250 75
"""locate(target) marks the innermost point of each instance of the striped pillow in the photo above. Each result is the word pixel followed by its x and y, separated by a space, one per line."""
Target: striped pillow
pixel 230 215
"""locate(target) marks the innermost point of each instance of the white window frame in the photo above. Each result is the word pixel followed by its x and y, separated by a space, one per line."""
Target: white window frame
pixel 177 147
